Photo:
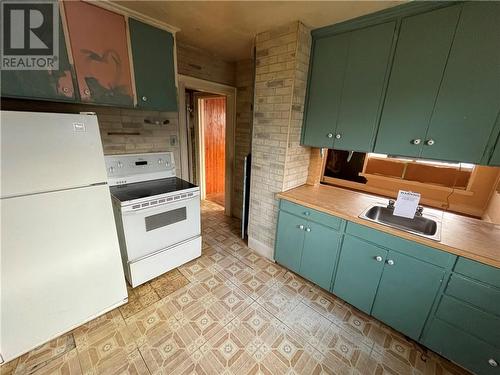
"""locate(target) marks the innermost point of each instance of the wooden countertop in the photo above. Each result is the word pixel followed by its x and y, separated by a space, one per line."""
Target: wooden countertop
pixel 460 235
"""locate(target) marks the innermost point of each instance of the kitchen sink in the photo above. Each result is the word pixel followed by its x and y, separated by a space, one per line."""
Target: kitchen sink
pixel 425 225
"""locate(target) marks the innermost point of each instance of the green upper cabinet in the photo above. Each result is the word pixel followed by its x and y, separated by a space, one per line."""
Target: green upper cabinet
pixel 359 270
pixel 321 247
pixel 42 84
pixel 406 293
pixel 153 61
pixel 289 240
pixel 325 90
pixel 422 50
pixel 346 85
pixel 366 69
pixel 469 97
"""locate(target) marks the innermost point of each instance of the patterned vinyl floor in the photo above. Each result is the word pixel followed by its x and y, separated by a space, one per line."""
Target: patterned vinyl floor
pixel 231 312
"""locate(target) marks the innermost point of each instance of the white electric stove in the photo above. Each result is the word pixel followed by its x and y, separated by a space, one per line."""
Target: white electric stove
pixel 157 214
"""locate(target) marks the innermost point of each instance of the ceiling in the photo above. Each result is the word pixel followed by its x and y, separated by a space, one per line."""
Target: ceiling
pixel 227 28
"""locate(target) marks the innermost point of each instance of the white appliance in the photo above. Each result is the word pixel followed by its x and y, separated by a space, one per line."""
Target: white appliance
pixel 157 214
pixel 60 258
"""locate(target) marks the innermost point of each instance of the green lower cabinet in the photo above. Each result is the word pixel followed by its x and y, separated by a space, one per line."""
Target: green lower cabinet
pixel 289 241
pixel 465 349
pixel 358 272
pixel 321 248
pixel 406 293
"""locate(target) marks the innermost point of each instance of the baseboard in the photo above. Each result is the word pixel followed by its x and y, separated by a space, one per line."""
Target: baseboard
pixel 261 248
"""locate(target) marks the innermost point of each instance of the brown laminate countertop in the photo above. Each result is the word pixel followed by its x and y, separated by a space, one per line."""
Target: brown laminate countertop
pixel 471 238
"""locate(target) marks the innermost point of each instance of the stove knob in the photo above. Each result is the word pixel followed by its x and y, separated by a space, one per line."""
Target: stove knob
pixel 111 169
pixel 160 161
pixel 120 165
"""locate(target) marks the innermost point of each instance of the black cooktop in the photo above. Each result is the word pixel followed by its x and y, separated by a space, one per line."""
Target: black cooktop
pixel 145 189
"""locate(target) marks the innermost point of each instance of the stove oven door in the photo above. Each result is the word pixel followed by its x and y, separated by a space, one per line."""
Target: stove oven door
pixel 152 229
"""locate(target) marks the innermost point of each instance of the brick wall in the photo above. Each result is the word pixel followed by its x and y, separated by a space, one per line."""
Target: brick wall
pixel 278 161
pixel 195 62
pixel 245 74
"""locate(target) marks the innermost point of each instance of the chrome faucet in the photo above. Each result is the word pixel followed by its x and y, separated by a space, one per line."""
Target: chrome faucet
pixel 391 204
pixel 419 211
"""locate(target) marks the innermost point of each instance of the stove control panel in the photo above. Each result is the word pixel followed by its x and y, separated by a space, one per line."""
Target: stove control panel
pixel 129 168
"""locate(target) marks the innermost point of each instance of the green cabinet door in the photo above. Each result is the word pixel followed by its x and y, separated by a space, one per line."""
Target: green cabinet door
pixel 325 89
pixel 421 53
pixel 321 247
pixel 365 74
pixel 57 85
pixel 358 274
pixel 153 56
pixel 468 102
pixel 406 293
pixel 289 241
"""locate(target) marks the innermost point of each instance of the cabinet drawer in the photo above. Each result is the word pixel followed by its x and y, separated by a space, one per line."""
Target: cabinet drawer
pixel 416 250
pixel 462 348
pixel 478 271
pixel 470 319
pixel 310 214
pixel 485 297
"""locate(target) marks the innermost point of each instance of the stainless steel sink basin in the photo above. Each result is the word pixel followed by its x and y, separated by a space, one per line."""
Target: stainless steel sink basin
pixel 425 225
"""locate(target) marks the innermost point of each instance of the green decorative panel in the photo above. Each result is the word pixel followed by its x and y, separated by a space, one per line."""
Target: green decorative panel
pixel 470 319
pixel 321 247
pixel 153 56
pixel 422 50
pixel 289 241
pixel 364 78
pixel 478 271
pixel 42 84
pixel 325 89
pixel 468 102
pixel 485 297
pixel 406 293
pixel 470 352
pixel 358 272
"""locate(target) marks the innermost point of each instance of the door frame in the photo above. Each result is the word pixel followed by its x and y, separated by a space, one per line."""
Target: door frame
pixel 187 82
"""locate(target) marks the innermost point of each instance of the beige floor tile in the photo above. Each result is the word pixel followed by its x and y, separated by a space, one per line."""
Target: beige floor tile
pixel 279 301
pixel 41 356
pixel 308 323
pixel 67 364
pixel 9 367
pixel 254 283
pixel 116 364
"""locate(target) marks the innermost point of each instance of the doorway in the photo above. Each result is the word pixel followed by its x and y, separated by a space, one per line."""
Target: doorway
pixel 207 137
pixel 212 123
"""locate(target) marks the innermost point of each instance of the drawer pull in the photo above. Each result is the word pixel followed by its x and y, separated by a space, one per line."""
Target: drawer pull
pixel 492 362
pixel 307 213
pixel 390 262
pixel 308 229
pixel 378 258
pixel 301 227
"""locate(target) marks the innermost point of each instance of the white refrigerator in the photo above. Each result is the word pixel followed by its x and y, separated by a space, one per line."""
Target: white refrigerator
pixel 59 257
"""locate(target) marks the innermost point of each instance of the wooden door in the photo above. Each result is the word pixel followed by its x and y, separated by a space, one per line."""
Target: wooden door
pixel 362 89
pixel 359 271
pixel 214 141
pixel 42 84
pixel 321 247
pixel 289 241
pixel 325 90
pixel 422 50
pixel 469 97
pixel 406 292
pixel 153 54
pixel 99 45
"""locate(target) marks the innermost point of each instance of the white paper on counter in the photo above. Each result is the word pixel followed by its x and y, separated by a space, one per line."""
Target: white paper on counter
pixel 406 204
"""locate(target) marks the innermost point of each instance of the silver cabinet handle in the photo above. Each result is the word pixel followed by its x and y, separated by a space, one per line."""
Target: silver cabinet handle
pixel 65 90
pixel 430 142
pixel 330 135
pixel 416 141
pixel 86 92
pixel 492 362
pixel 378 258
pixel 144 98
pixel 390 262
pixel 308 229
pixel 301 227
pixel 307 213
pixel 338 136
